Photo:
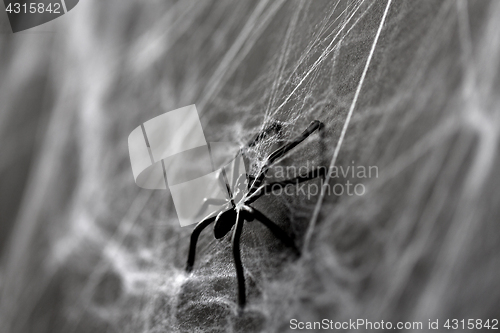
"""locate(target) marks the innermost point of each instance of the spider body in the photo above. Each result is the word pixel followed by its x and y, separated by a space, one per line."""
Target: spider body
pixel 240 205
pixel 224 222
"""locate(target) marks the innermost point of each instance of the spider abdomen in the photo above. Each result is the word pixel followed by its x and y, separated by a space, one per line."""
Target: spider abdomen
pixel 224 223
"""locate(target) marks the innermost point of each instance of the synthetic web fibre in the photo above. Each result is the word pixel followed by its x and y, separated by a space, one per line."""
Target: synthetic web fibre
pixel 410 87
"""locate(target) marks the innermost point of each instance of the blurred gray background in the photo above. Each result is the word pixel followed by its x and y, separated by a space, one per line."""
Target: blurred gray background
pixel 83 249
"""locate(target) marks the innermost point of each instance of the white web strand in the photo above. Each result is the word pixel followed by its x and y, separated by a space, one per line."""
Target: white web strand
pixel 323 56
pixel 331 46
pixel 314 218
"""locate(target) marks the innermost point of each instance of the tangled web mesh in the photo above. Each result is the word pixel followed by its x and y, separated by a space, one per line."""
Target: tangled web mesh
pixel 408 87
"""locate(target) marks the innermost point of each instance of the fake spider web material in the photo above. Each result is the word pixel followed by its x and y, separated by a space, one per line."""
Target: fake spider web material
pixel 409 87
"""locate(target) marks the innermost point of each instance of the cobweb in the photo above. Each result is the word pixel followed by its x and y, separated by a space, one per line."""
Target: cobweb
pixel 408 87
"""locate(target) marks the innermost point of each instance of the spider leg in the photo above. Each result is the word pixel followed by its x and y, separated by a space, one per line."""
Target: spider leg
pixel 273 227
pixel 222 182
pixel 280 152
pixel 236 171
pixel 210 201
pixel 315 173
pixel 322 145
pixel 274 127
pixel 240 275
pixel 194 240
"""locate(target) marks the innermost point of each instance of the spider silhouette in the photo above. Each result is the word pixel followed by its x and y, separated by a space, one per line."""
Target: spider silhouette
pixel 241 210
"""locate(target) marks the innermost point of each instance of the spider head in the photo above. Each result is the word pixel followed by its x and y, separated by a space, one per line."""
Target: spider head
pixel 224 222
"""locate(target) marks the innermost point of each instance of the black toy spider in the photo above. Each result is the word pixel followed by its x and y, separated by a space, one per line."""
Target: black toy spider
pixel 242 211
